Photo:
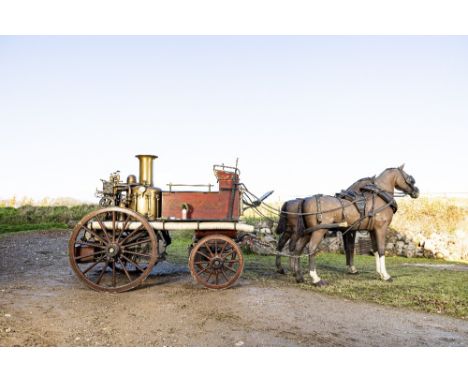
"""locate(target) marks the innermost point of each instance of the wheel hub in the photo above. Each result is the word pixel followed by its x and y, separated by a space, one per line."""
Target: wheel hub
pixel 112 250
pixel 217 262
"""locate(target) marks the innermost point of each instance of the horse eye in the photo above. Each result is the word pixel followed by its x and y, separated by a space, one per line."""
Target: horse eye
pixel 411 179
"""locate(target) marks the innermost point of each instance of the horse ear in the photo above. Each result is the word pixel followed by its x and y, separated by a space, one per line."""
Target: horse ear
pixel 402 166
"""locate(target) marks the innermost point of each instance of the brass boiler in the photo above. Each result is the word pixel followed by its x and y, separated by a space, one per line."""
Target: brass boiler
pixel 146 199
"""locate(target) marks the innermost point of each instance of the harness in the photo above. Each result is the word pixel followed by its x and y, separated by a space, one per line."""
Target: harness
pixel 385 196
pixel 358 199
pixel 319 208
pixel 301 223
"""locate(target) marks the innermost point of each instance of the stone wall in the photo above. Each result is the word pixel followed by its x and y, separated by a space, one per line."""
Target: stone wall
pixel 447 246
pixel 444 246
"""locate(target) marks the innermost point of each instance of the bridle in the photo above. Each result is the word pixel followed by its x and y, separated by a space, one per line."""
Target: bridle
pixel 409 180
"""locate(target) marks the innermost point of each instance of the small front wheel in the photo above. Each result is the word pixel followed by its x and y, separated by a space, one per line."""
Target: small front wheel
pixel 216 262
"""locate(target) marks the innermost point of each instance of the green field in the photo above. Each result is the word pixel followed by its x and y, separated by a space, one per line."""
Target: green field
pixel 28 218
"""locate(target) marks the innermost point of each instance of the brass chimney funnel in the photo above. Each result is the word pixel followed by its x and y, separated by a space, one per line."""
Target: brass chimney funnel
pixel 146 169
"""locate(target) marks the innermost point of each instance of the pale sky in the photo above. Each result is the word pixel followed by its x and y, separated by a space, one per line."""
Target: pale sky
pixel 304 115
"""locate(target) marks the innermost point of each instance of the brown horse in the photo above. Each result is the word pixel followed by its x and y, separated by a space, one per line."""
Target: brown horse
pixel 306 221
pixel 348 238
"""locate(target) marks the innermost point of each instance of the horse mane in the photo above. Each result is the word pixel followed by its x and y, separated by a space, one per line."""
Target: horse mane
pixel 369 179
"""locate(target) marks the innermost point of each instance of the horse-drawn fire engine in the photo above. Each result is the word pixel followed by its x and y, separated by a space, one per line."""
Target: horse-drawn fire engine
pixel 115 247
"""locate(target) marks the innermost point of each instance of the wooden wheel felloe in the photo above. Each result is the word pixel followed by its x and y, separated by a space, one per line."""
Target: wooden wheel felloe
pixel 113 249
pixel 216 261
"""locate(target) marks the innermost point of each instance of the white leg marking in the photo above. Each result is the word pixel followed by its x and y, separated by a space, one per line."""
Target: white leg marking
pixel 352 269
pixel 313 270
pixel 315 277
pixel 377 262
pixel 383 270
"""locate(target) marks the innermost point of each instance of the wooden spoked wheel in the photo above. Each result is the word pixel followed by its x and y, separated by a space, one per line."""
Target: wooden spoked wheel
pixel 216 261
pixel 113 249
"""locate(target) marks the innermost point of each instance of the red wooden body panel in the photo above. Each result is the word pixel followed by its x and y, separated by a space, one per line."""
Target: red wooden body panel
pixel 204 205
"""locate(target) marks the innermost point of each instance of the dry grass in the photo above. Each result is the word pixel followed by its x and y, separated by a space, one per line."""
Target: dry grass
pixel 15 202
pixel 426 215
pixel 429 215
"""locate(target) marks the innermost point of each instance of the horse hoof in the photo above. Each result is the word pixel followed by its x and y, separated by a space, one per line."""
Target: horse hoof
pixel 390 280
pixel 320 283
pixel 300 280
pixel 281 271
pixel 353 273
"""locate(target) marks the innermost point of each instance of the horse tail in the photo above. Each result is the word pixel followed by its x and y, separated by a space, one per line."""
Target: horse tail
pixel 283 219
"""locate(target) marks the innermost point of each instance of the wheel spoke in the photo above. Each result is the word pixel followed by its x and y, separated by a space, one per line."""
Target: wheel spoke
pixel 93 265
pixel 113 226
pixel 137 253
pixel 89 255
pixel 89 244
pixel 229 253
pixel 203 270
pixel 114 281
pixel 100 238
pixel 224 274
pixel 137 243
pixel 229 268
pixel 123 227
pixel 125 270
pixel 132 234
pixel 204 255
pixel 135 264
pixel 102 273
pixel 141 235
pixel 224 247
pixel 103 228
pixel 209 249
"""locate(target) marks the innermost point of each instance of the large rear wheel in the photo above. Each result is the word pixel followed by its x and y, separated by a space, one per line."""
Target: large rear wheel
pixel 113 249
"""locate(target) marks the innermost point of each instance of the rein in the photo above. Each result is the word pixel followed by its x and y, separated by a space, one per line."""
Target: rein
pixel 361 219
pixel 274 211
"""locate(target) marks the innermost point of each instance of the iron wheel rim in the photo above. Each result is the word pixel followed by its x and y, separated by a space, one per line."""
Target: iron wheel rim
pixel 216 262
pixel 120 250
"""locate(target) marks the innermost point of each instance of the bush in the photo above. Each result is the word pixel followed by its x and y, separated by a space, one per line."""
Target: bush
pixel 42 217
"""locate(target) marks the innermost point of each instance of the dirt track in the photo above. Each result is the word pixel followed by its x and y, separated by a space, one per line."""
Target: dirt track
pixel 43 304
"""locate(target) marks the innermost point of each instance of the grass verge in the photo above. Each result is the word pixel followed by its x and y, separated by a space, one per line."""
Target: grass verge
pixel 30 218
pixel 430 289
